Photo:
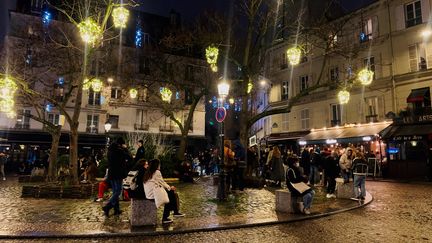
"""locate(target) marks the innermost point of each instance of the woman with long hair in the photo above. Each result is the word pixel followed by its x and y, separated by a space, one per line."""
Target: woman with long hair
pixel 152 178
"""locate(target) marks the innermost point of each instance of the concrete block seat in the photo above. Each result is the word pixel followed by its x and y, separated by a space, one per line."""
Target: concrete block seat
pixel 344 190
pixel 288 203
pixel 143 212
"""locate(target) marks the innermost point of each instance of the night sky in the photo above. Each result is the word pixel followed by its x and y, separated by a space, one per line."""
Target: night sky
pixel 187 8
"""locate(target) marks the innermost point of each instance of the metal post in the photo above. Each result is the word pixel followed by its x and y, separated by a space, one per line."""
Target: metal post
pixel 221 187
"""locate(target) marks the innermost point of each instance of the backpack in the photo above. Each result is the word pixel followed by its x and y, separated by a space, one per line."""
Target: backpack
pixel 129 183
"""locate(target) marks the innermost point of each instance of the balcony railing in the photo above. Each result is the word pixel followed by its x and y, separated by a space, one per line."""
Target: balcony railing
pixel 91 130
pixel 22 126
pixel 372 118
pixel 166 128
pixel 141 127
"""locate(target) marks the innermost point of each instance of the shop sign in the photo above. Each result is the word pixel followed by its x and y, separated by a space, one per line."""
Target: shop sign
pixel 393 150
pixel 408 138
pixel 253 140
pixel 414 119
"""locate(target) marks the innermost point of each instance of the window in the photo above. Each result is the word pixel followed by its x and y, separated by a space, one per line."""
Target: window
pixel 36 6
pixel 115 93
pixel 23 120
pixel 304 117
pixel 143 65
pixel 94 98
pixel 54 118
pixel 284 61
pixel 367 30
pixel 304 83
pixel 166 125
pixel 285 121
pixel 143 94
pixel 413 14
pixel 141 122
pixel 371 106
pixel 417 57
pixel 369 63
pixel 333 40
pixel 92 123
pixel 188 97
pixel 114 120
pixel 334 74
pixel 189 73
pixel 335 110
pixel 285 89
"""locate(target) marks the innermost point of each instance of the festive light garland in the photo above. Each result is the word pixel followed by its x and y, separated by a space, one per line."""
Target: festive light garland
pixel 120 17
pixel 90 31
pixel 96 85
pixel 365 76
pixel 166 94
pixel 249 87
pixel 7 94
pixel 293 55
pixel 133 93
pixel 212 54
pixel 343 97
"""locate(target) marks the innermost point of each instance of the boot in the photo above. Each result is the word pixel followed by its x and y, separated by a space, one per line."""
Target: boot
pixel 106 209
pixel 117 210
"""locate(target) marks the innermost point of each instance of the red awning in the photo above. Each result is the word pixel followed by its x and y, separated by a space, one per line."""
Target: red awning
pixel 418 95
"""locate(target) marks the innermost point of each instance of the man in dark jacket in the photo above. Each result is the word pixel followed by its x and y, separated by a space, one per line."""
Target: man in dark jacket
pixel 140 151
pixel 118 157
pixel 294 179
pixel 331 168
pixel 239 171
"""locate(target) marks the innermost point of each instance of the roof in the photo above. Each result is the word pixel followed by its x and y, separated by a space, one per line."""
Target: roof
pixel 408 132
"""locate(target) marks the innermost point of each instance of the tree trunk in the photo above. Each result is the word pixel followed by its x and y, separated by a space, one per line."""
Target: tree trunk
pixel 182 148
pixel 73 158
pixel 52 167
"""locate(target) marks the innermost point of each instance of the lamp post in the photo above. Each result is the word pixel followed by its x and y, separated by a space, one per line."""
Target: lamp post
pixel 107 126
pixel 223 90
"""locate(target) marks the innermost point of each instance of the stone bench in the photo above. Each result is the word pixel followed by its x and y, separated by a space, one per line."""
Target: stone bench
pixel 143 213
pixel 287 203
pixel 344 190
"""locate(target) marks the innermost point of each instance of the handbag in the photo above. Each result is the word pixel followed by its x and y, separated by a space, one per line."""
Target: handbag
pixel 160 196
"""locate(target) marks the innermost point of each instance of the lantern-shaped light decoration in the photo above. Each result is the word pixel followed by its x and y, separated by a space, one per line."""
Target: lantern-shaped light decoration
pixel 96 85
pixel 212 54
pixel 86 84
pixel 90 31
pixel 7 105
pixel 293 55
pixel 7 88
pixel 133 93
pixel 11 114
pixel 365 76
pixel 166 94
pixel 249 87
pixel 231 101
pixel 120 16
pixel 343 97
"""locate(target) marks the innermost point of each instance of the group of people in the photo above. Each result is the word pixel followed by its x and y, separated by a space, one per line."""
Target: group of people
pixel 147 179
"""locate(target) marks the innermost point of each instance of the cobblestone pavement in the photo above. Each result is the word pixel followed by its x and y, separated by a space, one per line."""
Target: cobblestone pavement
pixel 399 213
pixel 29 216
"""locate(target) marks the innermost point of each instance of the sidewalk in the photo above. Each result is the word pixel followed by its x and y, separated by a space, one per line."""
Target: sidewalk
pixel 34 218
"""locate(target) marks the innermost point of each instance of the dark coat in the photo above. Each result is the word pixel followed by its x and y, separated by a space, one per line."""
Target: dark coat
pixel 294 175
pixel 138 193
pixel 118 158
pixel 139 154
pixel 331 166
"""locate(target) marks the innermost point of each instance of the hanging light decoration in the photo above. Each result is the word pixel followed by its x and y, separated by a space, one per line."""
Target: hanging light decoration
pixel 120 16
pixel 249 87
pixel 86 84
pixel 8 88
pixel 343 97
pixel 231 101
pixel 212 54
pixel 293 55
pixel 11 114
pixel 166 94
pixel 7 105
pixel 96 85
pixel 365 76
pixel 90 31
pixel 133 93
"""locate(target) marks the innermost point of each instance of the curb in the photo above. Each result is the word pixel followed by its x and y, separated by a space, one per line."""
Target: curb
pixel 185 231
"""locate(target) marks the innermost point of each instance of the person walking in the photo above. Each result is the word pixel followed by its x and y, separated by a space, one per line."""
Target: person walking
pixel 331 167
pixel 153 178
pixel 277 170
pixel 345 164
pixel 118 157
pixel 360 170
pixel 293 177
pixel 140 151
pixel 3 159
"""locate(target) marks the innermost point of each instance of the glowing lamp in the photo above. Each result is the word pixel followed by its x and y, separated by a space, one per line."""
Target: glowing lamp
pixel 343 97
pixel 249 87
pixel 293 55
pixel 86 84
pixel 166 94
pixel 231 101
pixel 223 89
pixel 90 31
pixel 7 105
pixel 96 85
pixel 133 93
pixel 120 16
pixel 365 76
pixel 8 88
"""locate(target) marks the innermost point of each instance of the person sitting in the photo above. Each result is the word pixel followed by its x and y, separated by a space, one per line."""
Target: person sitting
pixel 153 177
pixel 138 193
pixel 293 177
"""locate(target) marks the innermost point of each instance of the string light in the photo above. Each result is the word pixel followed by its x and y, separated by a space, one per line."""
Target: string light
pixel 365 76
pixel 120 16
pixel 133 93
pixel 343 97
pixel 249 87
pixel 166 94
pixel 212 54
pixel 293 55
pixel 96 85
pixel 90 31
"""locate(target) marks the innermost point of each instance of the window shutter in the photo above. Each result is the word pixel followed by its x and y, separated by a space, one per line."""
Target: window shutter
pixel 412 52
pixel 400 17
pixel 425 9
pixel 375 33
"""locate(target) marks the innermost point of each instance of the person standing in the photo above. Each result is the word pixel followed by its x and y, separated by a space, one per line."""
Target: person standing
pixel 3 159
pixel 277 170
pixel 331 167
pixel 118 157
pixel 140 151
pixel 345 164
pixel 240 158
pixel 360 170
pixel 305 160
pixel 229 164
pixel 315 162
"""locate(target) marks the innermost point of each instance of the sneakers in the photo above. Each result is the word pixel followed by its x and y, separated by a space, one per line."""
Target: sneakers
pixel 306 211
pixel 106 210
pixel 328 195
pixel 4 178
pixel 179 215
pixel 99 200
pixel 331 195
pixel 167 221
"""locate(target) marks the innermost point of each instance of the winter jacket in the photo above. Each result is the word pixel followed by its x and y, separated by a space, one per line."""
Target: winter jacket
pixel 345 163
pixel 360 167
pixel 294 175
pixel 139 193
pixel 118 158
pixel 139 154
pixel 156 179
pixel 331 166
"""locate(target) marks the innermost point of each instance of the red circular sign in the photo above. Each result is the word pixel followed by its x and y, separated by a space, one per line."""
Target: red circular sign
pixel 220 114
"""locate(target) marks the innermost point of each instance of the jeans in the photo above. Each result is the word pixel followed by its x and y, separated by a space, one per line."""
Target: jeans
pixel 314 174
pixel 359 182
pixel 331 186
pixel 346 175
pixel 173 205
pixel 116 186
pixel 308 198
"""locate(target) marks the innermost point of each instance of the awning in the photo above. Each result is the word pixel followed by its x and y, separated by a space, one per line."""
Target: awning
pixel 409 132
pixel 347 134
pixel 418 95
pixel 287 136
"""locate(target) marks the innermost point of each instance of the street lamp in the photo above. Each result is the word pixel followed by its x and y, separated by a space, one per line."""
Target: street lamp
pixel 223 90
pixel 107 126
